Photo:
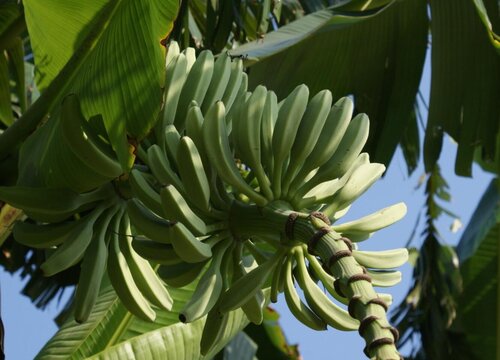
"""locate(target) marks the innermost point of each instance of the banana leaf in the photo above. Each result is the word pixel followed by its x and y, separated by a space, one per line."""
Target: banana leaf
pixel 465 83
pixel 478 253
pixel 375 54
pixel 120 73
pixel 112 332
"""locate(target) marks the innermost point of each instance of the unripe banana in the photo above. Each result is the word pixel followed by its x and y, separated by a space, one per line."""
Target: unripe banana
pixel 192 173
pixel 73 248
pixel 190 54
pixel 173 51
pixel 93 268
pixel 43 236
pixel 233 84
pixel 82 143
pixel 385 278
pixel 160 167
pixel 148 223
pixel 300 310
pixel 175 208
pixel 159 253
pixel 213 330
pixel 195 87
pixel 180 275
pixel 219 153
pixel 175 77
pixel 373 222
pixel 207 290
pixel 144 276
pixel 187 246
pixel 123 282
pixel 309 131
pixel 172 139
pixel 285 130
pixel 328 311
pixel 254 307
pixel 145 192
pixel 50 204
pixel 246 286
pixel 387 259
pixel 331 135
pixel 220 79
pixel 269 117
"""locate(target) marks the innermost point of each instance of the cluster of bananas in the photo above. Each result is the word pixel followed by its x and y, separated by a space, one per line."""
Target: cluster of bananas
pixel 235 190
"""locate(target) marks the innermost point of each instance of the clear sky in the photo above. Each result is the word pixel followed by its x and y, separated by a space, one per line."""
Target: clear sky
pixel 27 329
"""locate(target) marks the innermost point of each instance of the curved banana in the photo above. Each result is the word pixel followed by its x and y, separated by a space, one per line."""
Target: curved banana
pixel 219 153
pixel 193 174
pixel 254 307
pixel 195 87
pixel 220 79
pixel 83 143
pixel 73 249
pixel 269 117
pixel 143 274
pixel 214 328
pixel 145 192
pixel 388 259
pixel 207 290
pixel 123 282
pixel 175 76
pixel 159 253
pixel 148 223
pixel 93 268
pixel 43 236
pixel 285 131
pixel 187 246
pixel 309 131
pixel 300 310
pixel 181 274
pixel 160 167
pixel 328 311
pixel 233 84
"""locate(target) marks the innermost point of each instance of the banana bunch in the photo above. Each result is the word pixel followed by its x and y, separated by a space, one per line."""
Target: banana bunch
pixel 235 190
pixel 261 182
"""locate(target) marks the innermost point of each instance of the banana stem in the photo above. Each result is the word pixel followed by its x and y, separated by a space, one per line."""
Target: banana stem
pixel 336 253
pixel 364 303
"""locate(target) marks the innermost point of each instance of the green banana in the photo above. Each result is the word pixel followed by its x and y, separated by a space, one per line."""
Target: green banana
pixel 172 139
pixel 43 236
pixel 175 208
pixel 175 77
pixel 194 123
pixel 360 180
pixel 207 290
pixel 93 268
pixel 246 286
pixel 147 223
pixel 347 151
pixel 331 135
pixel 173 50
pixel 220 79
pixel 193 174
pixel 285 130
pixel 145 192
pixel 384 278
pixel 123 282
pixel 387 259
pixel 373 222
pixel 190 54
pixel 218 151
pixel 328 311
pixel 248 137
pixel 81 141
pixel 144 276
pixel 195 87
pixel 214 328
pixel 159 253
pixel 187 246
pixel 180 275
pixel 309 131
pixel 269 117
pixel 233 84
pixel 254 307
pixel 50 204
pixel 160 167
pixel 75 245
pixel 300 310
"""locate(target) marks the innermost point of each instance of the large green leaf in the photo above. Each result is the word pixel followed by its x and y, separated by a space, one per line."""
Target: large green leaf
pixel 478 253
pixel 376 56
pixel 122 74
pixel 112 332
pixel 465 83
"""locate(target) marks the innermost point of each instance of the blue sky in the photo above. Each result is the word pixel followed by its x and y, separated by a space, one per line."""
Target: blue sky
pixel 27 329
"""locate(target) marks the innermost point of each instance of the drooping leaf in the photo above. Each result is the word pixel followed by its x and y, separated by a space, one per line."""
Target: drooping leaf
pixel 376 56
pixel 122 75
pixel 464 84
pixel 478 254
